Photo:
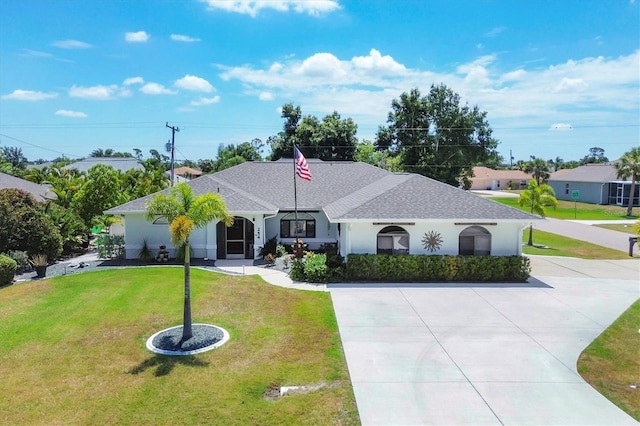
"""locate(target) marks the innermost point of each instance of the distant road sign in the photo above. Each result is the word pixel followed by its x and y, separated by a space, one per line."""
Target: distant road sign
pixel 575 194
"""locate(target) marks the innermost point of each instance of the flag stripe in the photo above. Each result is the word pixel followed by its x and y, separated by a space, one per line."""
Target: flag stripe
pixel 302 168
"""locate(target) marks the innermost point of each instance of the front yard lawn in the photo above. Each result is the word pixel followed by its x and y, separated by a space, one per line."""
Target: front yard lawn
pixel 583 211
pixel 73 352
pixel 558 245
pixel 611 363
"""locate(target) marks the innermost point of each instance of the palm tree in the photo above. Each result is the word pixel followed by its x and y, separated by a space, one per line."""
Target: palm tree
pixel 629 165
pixel 537 197
pixel 184 211
pixel 538 168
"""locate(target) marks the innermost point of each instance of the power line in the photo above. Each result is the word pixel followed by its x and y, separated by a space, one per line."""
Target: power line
pixel 38 146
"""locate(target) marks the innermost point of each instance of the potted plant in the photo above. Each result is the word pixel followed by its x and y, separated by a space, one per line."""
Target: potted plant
pixel 40 263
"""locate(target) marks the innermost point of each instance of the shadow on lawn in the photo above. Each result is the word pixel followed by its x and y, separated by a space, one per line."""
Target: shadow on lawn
pixel 165 364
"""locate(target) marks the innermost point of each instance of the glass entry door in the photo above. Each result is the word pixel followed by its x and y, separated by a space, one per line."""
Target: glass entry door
pixel 235 239
pixel 620 195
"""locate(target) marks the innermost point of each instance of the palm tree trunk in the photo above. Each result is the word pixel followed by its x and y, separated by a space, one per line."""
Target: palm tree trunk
pixel 631 194
pixel 530 235
pixel 187 330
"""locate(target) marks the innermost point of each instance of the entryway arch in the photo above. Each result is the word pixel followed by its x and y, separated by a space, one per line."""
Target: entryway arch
pixel 392 240
pixel 235 241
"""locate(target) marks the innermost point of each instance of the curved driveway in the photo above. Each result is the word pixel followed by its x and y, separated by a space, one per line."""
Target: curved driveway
pixel 456 354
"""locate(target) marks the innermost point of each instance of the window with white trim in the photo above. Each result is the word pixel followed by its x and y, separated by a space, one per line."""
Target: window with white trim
pixel 392 240
pixel 474 241
pixel 305 227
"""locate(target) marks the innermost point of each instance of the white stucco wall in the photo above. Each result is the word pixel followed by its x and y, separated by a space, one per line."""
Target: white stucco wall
pixel 355 237
pixel 506 238
pixel 138 229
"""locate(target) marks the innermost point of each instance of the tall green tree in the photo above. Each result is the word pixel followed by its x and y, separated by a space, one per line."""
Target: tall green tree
pixel 629 166
pixel 537 198
pixel 596 155
pixel 330 139
pixel 100 191
pixel 184 212
pixel 437 136
pixel 538 168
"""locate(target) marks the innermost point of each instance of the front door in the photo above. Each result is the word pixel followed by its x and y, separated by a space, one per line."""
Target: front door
pixel 235 239
pixel 620 195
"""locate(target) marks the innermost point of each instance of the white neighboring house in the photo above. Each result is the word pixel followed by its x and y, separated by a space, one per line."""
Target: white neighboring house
pixel 355 206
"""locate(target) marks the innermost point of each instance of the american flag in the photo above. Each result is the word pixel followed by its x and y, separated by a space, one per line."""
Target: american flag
pixel 302 168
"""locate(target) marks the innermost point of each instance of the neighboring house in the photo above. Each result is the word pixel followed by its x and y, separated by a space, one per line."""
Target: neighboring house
pixel 355 207
pixel 183 174
pixel 187 172
pixel 119 163
pixel 486 178
pixel 39 192
pixel 594 183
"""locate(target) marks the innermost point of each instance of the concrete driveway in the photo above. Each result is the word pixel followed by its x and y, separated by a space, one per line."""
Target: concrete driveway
pixel 456 354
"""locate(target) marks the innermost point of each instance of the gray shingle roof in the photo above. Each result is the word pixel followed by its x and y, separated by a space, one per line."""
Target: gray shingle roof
pixel 599 173
pixel 344 190
pixel 39 192
pixel 119 163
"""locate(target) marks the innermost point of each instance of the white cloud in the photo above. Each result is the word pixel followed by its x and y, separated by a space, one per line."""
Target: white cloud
pixel 253 7
pixel 323 82
pixel 71 44
pixel 183 38
pixel 29 95
pixel 72 114
pixel 571 85
pixel 266 96
pixel 136 37
pixel 156 89
pixel 205 101
pixel 495 31
pixel 375 62
pixel 560 126
pixel 133 80
pixel 28 53
pixel 99 92
pixel 193 83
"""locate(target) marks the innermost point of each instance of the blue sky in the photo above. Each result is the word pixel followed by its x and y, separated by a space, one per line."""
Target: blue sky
pixel 556 77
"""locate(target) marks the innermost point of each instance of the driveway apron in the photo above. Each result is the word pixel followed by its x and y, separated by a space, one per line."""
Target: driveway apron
pixel 471 354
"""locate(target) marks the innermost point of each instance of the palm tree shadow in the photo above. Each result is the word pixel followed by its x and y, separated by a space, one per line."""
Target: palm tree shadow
pixel 165 364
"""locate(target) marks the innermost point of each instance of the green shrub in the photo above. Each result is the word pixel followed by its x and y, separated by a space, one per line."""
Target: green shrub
pixel 315 268
pixel 280 250
pixel 8 268
pixel 24 227
pixel 21 258
pixel 297 270
pixel 270 247
pixel 110 246
pixel 430 268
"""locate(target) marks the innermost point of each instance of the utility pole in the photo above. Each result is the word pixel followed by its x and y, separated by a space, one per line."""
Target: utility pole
pixel 174 129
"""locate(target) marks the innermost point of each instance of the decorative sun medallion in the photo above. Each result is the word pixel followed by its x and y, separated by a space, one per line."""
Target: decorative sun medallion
pixel 432 241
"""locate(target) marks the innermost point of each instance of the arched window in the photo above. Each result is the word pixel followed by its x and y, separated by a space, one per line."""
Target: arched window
pixel 393 240
pixel 474 241
pixel 306 227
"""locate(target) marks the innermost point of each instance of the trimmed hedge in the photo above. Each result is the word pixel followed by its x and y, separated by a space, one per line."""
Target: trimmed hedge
pixel 432 268
pixel 8 268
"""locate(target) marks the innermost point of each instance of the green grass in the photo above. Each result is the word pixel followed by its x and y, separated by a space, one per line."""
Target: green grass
pixel 621 228
pixel 558 245
pixel 73 352
pixel 583 211
pixel 611 363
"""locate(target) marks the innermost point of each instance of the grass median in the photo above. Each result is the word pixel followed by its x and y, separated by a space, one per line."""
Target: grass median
pixel 73 352
pixel 558 245
pixel 579 211
pixel 611 363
